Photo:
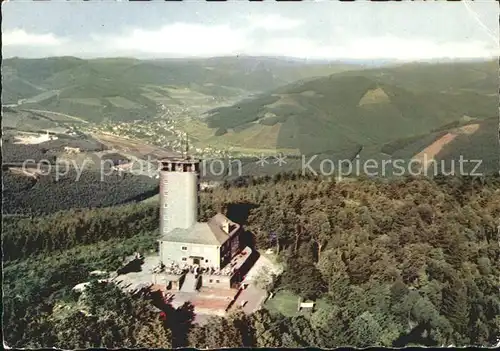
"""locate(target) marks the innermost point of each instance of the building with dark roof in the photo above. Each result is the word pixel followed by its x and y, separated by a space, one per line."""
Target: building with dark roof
pixel 211 244
pixel 184 241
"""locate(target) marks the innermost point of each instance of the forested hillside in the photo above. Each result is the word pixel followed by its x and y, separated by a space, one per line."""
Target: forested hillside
pixel 89 188
pixel 403 262
pixel 367 107
pixel 124 89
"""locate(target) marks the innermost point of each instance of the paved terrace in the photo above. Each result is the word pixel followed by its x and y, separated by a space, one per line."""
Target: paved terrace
pixel 253 296
pixel 141 278
pixel 207 301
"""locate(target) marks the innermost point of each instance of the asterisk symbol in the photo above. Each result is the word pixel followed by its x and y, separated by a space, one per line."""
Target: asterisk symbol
pixel 280 159
pixel 262 160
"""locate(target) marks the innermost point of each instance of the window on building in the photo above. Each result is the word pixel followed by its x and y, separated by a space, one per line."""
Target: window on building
pixel 206 261
pixel 184 248
pixel 211 280
pixel 165 205
pixel 184 259
pixel 217 281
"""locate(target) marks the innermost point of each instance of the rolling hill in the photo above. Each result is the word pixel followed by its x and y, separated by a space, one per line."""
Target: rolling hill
pixel 476 141
pixel 473 141
pixel 122 89
pixel 295 107
pixel 359 108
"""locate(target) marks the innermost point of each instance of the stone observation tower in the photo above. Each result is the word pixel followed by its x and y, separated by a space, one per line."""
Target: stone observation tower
pixel 185 242
pixel 179 189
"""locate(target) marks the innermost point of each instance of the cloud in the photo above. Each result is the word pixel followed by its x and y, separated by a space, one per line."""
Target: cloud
pixel 194 39
pixel 381 47
pixel 180 39
pixel 418 48
pixel 273 22
pixel 19 37
pixel 329 30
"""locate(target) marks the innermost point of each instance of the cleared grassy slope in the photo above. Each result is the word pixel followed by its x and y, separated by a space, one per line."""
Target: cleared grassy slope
pixel 482 145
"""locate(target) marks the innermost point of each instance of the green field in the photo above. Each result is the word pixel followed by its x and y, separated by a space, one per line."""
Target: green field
pixel 286 302
pixel 121 102
pixel 86 101
pixel 283 302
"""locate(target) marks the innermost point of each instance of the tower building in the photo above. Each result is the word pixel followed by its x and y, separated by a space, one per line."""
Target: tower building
pixel 184 240
pixel 179 188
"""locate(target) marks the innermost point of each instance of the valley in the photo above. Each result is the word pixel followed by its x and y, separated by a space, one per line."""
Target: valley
pixel 250 109
pixel 226 107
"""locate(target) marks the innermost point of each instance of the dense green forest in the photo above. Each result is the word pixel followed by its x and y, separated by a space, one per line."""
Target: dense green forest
pixel 398 262
pixel 59 189
pixel 47 150
pixel 24 237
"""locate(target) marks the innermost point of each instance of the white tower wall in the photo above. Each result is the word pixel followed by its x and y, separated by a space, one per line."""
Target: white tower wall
pixel 178 200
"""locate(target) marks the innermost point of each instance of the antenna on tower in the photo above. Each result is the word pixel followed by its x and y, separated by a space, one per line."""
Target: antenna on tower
pixel 182 146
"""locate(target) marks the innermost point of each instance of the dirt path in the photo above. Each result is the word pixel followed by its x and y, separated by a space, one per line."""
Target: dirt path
pixel 427 155
pixel 58 113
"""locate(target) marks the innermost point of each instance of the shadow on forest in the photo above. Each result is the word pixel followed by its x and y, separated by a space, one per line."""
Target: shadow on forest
pixel 145 195
pixel 133 266
pixel 239 213
pixel 418 335
pixel 181 322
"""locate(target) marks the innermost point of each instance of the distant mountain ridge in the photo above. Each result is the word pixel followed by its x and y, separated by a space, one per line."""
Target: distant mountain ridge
pixel 84 87
pixel 228 71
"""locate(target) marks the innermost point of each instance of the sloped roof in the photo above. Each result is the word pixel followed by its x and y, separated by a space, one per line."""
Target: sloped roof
pixel 206 233
pixel 219 220
pixel 199 233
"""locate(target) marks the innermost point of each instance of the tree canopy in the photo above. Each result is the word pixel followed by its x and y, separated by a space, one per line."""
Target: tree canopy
pixel 399 262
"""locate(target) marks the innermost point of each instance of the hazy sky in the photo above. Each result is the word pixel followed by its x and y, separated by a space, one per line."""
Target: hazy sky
pixel 310 29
